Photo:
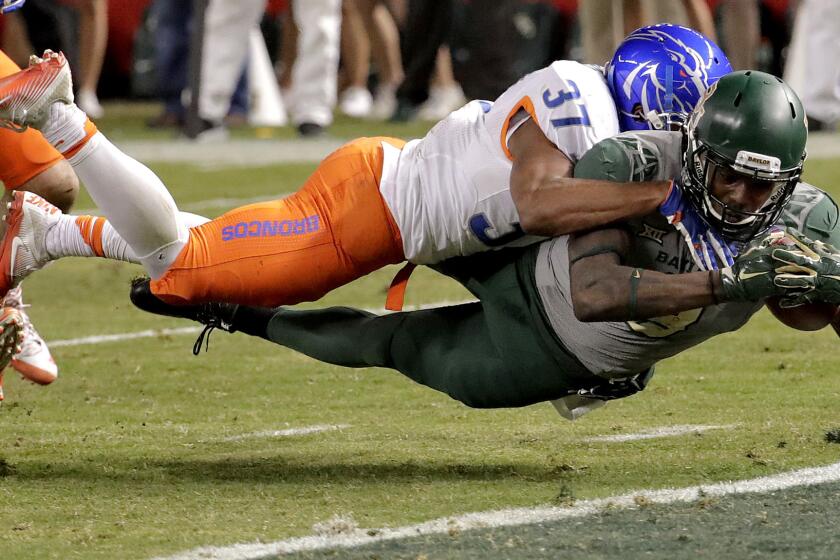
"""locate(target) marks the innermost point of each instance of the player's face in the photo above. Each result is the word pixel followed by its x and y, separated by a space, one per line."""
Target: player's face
pixel 740 192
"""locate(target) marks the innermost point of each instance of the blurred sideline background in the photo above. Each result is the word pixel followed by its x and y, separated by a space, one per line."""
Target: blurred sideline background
pixel 302 62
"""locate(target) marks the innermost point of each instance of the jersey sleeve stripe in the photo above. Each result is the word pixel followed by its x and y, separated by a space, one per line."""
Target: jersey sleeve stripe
pixel 524 103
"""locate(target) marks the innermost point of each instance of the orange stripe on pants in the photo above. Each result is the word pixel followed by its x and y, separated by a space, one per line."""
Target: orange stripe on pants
pixel 333 230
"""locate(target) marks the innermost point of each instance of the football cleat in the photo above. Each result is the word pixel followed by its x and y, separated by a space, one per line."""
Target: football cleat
pixel 33 361
pixel 10 339
pixel 23 245
pixel 212 315
pixel 26 96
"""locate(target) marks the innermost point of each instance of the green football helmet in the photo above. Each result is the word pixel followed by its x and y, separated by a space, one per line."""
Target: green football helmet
pixel 749 124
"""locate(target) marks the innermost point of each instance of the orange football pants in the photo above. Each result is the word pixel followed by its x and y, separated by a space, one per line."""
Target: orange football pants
pixel 23 155
pixel 335 229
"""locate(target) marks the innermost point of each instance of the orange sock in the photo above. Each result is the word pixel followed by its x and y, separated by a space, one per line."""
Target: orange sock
pixel 91 229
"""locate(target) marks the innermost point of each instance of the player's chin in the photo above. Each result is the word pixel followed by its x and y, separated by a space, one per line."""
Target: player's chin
pixel 809 317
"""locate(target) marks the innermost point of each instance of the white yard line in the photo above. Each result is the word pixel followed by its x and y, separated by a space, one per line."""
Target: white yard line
pixel 289 432
pixel 119 337
pixel 652 433
pixel 513 517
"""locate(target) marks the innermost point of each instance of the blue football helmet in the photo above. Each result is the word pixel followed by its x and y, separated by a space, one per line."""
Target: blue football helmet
pixel 658 74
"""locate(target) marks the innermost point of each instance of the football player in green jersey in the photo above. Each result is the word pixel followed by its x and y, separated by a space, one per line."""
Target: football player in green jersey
pixel 582 319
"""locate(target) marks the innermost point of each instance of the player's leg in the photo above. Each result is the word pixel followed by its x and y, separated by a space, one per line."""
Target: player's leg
pixel 450 349
pixel 28 162
pixel 492 353
pixel 335 229
pixel 85 235
pixel 129 194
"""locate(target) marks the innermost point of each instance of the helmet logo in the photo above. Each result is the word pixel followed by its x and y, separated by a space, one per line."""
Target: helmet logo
pixel 691 63
pixel 758 162
pixel 662 68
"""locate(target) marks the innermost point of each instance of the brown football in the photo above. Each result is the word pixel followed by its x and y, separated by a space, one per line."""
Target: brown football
pixel 809 317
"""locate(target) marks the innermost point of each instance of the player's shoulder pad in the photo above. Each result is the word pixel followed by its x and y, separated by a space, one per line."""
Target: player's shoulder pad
pixel 620 158
pixel 814 213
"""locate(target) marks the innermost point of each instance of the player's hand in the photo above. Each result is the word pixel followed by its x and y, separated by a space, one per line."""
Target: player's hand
pixel 709 250
pixel 756 274
pixel 7 6
pixel 812 272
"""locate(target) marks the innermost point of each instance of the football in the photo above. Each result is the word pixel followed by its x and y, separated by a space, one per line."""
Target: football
pixel 809 317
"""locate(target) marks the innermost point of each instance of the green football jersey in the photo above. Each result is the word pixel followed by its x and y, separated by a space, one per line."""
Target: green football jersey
pixel 620 348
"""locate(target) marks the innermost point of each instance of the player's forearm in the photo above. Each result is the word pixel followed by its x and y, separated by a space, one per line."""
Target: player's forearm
pixel 555 206
pixel 601 292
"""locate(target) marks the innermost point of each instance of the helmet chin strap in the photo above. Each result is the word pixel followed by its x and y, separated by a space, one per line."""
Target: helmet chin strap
pixel 655 120
pixel 653 117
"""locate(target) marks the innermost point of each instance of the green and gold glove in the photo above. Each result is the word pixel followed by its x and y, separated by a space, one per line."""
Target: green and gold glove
pixel 810 271
pixel 757 274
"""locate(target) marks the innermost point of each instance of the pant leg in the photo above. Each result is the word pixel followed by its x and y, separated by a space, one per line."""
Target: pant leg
pixel 450 349
pixel 227 25
pixel 172 51
pixel 427 27
pixel 821 94
pixel 239 100
pixel 315 71
pixel 494 353
pixel 334 230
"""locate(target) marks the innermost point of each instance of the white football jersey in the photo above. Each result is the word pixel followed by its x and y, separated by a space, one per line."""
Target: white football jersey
pixel 449 192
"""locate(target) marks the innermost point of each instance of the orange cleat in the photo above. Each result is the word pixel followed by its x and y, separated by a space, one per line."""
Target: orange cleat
pixel 10 339
pixel 23 245
pixel 33 360
pixel 26 96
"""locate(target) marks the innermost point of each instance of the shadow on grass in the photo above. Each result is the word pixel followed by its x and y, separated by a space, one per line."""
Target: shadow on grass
pixel 281 471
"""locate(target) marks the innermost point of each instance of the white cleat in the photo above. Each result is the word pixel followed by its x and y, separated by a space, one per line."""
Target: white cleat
pixel 33 360
pixel 23 246
pixel 26 96
pixel 10 339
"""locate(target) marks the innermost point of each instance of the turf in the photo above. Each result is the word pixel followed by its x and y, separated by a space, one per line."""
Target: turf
pixel 125 456
pixel 736 528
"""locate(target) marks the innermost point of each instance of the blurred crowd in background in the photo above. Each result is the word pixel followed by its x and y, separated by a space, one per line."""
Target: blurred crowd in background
pixel 297 62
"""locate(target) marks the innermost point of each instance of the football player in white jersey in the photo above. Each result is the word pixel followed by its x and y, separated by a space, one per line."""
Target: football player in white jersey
pixel 489 175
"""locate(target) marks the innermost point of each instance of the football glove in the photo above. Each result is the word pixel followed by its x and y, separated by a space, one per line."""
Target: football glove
pixel 812 272
pixel 7 6
pixel 709 250
pixel 756 274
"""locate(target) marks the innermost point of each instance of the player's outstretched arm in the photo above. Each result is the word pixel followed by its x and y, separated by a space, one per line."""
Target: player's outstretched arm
pixel 551 202
pixel 603 288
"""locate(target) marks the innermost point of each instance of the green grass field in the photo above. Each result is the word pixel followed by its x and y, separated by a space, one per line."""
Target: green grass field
pixel 140 449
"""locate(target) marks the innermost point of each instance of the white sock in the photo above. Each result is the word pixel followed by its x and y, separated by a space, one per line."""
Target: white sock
pixel 87 236
pixel 134 200
pixel 94 236
pixel 65 127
